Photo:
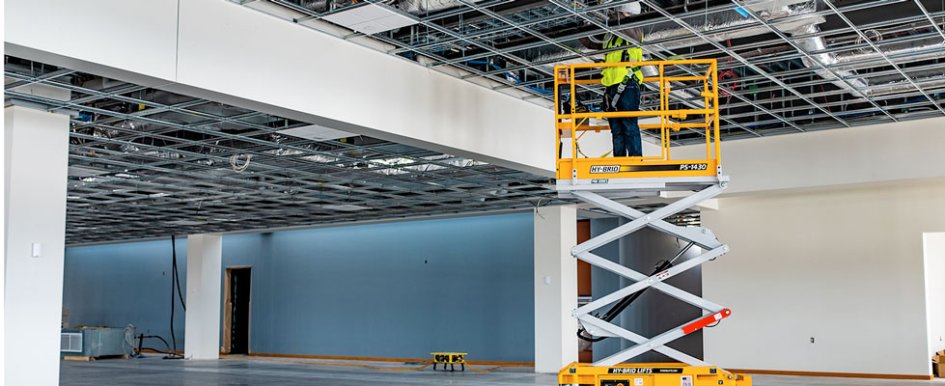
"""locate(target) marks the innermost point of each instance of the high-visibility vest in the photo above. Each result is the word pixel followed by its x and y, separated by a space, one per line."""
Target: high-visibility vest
pixel 614 75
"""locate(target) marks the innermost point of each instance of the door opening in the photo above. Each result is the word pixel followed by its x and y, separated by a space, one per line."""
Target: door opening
pixel 236 310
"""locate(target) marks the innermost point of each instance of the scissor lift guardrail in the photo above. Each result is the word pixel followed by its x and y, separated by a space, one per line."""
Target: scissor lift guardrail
pixel 604 182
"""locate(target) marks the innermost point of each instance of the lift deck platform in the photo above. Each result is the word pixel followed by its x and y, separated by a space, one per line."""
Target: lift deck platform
pixel 607 183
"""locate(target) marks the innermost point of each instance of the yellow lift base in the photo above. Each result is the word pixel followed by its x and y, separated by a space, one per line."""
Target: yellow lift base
pixel 649 374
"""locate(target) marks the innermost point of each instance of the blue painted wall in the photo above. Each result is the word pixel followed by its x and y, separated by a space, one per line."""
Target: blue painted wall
pixel 399 289
pixel 117 284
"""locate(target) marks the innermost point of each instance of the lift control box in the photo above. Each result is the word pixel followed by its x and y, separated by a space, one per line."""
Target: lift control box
pixel 649 374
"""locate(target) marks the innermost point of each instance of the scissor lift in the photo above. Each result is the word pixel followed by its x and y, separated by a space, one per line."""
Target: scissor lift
pixel 605 182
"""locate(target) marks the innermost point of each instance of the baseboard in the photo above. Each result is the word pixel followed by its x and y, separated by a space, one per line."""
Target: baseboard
pixel 837 375
pixel 379 359
pixel 532 364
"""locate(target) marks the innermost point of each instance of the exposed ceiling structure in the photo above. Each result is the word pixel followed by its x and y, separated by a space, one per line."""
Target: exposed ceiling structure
pixel 148 163
pixel 786 66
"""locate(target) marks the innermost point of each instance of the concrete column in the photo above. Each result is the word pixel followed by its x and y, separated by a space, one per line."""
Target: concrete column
pixel 555 288
pixel 204 272
pixel 36 162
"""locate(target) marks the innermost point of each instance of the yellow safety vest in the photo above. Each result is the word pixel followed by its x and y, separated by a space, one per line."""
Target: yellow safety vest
pixel 614 75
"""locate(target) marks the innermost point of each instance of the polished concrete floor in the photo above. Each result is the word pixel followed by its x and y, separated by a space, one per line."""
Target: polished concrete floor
pixel 261 371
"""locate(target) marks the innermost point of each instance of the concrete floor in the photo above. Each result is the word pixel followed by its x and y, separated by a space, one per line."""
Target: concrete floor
pixel 250 372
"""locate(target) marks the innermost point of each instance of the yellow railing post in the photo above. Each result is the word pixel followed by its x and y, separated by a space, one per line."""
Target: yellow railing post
pixel 663 118
pixel 557 108
pixel 715 96
pixel 573 97
pixel 706 100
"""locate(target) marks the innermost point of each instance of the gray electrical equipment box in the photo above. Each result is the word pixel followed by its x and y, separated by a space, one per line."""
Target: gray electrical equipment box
pixel 93 342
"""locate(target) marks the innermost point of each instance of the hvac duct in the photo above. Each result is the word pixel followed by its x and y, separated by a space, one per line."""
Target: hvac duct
pixel 725 25
pixel 902 86
pixel 420 6
pixel 814 45
pixel 924 49
pixel 844 65
pixel 786 15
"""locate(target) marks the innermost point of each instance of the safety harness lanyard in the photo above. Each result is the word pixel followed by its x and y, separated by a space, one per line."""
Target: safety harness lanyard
pixel 631 72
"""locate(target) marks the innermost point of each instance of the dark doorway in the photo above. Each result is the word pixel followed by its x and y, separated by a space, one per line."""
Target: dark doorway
pixel 236 320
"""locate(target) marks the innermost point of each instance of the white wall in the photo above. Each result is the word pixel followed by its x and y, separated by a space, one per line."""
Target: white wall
pixel 233 54
pixel 36 160
pixel 857 155
pixel 204 296
pixel 934 247
pixel 844 266
pixel 555 288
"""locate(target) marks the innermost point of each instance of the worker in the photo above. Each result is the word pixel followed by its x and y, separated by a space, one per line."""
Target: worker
pixel 623 94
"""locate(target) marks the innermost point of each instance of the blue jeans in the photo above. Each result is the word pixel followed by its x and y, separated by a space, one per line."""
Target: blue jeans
pixel 625 131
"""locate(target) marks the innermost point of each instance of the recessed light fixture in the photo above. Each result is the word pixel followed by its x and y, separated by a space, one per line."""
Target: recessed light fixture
pixel 371 18
pixel 316 133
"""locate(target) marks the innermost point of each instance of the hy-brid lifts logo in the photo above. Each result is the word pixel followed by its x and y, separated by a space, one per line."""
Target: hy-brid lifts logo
pixel 601 169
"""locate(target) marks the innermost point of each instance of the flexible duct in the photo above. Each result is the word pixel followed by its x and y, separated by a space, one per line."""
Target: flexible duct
pixel 315 5
pixel 813 44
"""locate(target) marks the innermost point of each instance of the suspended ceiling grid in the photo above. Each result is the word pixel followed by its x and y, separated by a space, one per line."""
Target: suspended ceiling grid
pixel 146 163
pixel 786 66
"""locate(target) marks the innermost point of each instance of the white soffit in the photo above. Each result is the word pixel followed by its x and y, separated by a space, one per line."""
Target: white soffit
pixel 371 19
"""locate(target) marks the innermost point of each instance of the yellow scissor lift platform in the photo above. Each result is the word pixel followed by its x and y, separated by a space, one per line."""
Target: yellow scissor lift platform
pixel 603 182
pixel 702 118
